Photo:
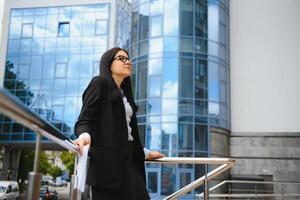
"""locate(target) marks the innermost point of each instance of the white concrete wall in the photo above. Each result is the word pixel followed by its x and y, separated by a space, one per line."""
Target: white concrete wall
pixel 1 22
pixel 8 4
pixel 1 16
pixel 265 65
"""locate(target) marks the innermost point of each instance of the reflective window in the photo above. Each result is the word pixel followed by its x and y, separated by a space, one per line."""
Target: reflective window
pixel 144 47
pixel 213 81
pixel 156 7
pixel 155 66
pixel 170 78
pixel 170 106
pixel 186 78
pixel 200 79
pixel 154 136
pixel 60 70
pixel 63 29
pixel 58 112
pixel 170 127
pixel 169 139
pixel 213 109
pixel 152 182
pixel 154 86
pixel 200 138
pixel 190 66
pixel 156 45
pixel 185 137
pixel 144 21
pixel 156 26
pixel 168 179
pixel 23 72
pixel 154 106
pixel 171 44
pixel 171 15
pixel 101 27
pixel 142 80
pixel 185 179
pixel 186 15
pixel 51 59
pixel 27 30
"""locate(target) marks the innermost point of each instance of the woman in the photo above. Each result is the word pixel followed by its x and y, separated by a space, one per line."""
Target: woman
pixel 108 124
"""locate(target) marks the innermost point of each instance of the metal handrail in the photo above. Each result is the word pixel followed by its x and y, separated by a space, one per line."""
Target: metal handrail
pixel 249 195
pixel 226 163
pixel 15 109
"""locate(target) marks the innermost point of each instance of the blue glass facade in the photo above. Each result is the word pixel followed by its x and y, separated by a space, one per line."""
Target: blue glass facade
pixel 52 54
pixel 180 50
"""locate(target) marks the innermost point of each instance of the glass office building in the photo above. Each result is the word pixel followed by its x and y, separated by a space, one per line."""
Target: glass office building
pixel 180 50
pixel 52 54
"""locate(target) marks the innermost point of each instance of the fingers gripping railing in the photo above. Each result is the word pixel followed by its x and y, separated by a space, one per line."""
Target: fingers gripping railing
pixel 16 110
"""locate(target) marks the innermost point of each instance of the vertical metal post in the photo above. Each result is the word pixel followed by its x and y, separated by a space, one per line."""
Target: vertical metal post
pixel 206 189
pixel 35 176
pixel 229 190
pixel 255 190
pixel 73 192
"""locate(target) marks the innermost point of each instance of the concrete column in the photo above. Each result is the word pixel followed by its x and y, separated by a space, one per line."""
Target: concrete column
pixel 16 154
pixel 6 161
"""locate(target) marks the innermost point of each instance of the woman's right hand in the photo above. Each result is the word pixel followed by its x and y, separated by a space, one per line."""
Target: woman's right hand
pixel 82 140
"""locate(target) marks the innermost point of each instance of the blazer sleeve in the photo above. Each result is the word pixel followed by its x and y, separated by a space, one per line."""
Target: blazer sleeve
pixel 91 104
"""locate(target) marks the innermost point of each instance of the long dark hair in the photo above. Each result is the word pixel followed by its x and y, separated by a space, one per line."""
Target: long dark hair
pixel 105 72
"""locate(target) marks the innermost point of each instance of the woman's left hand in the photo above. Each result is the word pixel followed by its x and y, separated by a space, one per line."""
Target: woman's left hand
pixel 155 155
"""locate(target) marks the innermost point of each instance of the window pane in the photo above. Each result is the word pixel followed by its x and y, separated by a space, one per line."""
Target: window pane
pixel 185 137
pixel 170 78
pixel 156 7
pixel 152 182
pixel 154 136
pixel 15 27
pixel 171 44
pixel 63 29
pixel 155 66
pixel 186 15
pixel 60 70
pixel 27 30
pixel 213 109
pixel 213 81
pixel 171 16
pixel 58 112
pixel 185 179
pixel 200 79
pixel 142 80
pixel 168 179
pixel 154 86
pixel 186 78
pixel 169 141
pixel 101 27
pixel 200 138
pixel 156 26
pixel 144 21
pixel 156 45
pixel 154 106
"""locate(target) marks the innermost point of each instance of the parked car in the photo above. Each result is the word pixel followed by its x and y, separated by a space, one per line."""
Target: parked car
pixel 48 183
pixel 9 190
pixel 48 193
pixel 59 182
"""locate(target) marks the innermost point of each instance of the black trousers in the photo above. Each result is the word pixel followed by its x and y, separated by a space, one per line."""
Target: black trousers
pixel 131 188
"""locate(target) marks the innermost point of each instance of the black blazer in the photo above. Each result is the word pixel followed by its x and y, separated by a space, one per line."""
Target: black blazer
pixel 105 121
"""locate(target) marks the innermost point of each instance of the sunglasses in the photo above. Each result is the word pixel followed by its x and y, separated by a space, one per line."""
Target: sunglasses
pixel 123 59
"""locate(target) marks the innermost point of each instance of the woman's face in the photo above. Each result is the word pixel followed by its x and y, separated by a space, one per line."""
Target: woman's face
pixel 121 65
